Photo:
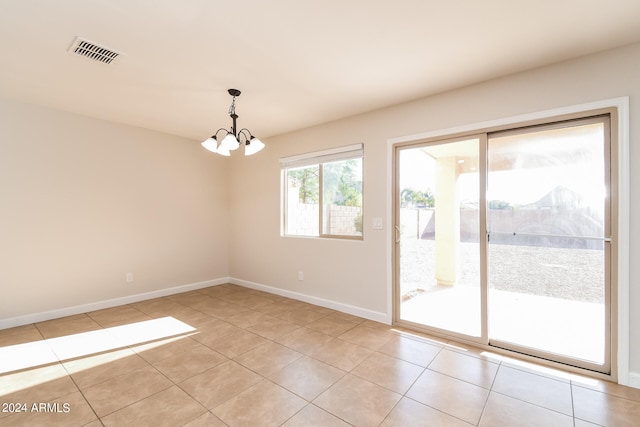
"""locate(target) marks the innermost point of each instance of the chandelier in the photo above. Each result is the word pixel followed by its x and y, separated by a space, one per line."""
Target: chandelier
pixel 233 138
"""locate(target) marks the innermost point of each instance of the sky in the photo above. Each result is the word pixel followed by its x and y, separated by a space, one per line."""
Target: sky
pixel 570 157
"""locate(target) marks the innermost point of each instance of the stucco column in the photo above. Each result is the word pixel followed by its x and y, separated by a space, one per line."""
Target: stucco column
pixel 447 227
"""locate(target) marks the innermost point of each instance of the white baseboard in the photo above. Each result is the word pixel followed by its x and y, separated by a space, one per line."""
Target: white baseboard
pixel 345 308
pixel 634 379
pixel 99 305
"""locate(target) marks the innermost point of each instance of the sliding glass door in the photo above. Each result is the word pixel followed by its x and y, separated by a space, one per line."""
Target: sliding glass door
pixel 504 238
pixel 549 238
pixel 438 236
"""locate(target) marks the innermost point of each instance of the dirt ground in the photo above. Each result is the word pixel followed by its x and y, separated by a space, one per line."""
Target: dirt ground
pixel 574 274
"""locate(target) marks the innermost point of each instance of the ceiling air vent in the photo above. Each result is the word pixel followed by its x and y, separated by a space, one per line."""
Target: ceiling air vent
pixel 92 51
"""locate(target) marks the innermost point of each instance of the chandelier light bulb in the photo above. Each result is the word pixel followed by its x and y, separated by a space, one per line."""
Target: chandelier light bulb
pixel 253 146
pixel 229 142
pixel 223 151
pixel 211 144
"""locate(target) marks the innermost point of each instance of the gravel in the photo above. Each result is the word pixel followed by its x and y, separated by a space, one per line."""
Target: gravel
pixel 573 274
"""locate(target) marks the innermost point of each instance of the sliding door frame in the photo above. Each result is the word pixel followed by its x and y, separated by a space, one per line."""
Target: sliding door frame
pixel 617 109
pixel 482 242
pixel 608 240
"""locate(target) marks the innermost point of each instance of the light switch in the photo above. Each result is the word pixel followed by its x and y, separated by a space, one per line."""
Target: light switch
pixel 377 223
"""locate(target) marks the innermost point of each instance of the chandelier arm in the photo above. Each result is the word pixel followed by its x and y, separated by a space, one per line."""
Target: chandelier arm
pixel 216 132
pixel 244 132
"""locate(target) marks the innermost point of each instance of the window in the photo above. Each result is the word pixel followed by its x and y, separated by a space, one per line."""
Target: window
pixel 322 193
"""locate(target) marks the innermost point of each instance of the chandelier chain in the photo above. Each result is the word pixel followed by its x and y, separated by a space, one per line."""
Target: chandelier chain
pixel 232 109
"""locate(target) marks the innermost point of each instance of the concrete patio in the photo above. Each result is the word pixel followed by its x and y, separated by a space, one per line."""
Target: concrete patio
pixel 561 326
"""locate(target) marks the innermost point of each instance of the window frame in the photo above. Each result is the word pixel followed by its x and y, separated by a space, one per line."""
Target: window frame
pixel 319 159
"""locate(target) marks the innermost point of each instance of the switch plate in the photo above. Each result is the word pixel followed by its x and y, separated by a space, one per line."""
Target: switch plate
pixel 377 223
pixel 128 278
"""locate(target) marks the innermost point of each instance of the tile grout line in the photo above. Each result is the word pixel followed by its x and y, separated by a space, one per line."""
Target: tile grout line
pixel 533 404
pixel 80 389
pixel 173 384
pixel 573 406
pixel 484 408
pixel 436 409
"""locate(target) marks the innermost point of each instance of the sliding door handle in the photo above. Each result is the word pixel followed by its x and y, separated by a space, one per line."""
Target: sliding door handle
pixel 397 234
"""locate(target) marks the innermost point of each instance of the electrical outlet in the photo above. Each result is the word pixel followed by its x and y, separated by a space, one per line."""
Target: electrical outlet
pixel 300 275
pixel 128 278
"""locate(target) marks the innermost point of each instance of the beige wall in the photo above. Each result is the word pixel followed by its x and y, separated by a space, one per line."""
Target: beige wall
pixel 83 202
pixel 355 273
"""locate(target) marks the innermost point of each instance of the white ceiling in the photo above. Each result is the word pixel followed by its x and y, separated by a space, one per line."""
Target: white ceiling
pixel 297 62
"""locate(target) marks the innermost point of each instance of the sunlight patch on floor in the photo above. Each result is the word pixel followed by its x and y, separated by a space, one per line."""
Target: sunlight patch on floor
pixel 47 351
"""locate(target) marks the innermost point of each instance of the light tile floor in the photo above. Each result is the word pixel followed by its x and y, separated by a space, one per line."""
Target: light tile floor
pixel 228 355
